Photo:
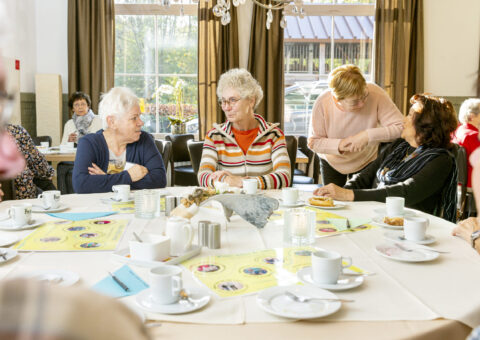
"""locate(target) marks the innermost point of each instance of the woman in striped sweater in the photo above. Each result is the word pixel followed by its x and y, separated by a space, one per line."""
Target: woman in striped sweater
pixel 246 146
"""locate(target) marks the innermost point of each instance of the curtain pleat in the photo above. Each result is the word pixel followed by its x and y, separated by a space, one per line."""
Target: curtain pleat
pixel 91 47
pixel 217 53
pixel 399 49
pixel 265 63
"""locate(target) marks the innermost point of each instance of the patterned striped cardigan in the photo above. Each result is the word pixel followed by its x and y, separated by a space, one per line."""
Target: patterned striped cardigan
pixel 266 159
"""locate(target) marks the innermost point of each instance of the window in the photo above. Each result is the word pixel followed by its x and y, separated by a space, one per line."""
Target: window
pixel 157 45
pixel 311 51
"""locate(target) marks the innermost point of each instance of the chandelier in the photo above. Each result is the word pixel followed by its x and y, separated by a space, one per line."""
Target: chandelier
pixel 222 9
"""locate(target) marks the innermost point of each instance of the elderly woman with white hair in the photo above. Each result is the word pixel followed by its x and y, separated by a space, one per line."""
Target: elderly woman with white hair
pixel 246 146
pixel 466 134
pixel 121 153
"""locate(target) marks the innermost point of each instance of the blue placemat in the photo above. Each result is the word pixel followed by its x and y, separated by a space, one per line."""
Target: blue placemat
pixel 82 216
pixel 108 286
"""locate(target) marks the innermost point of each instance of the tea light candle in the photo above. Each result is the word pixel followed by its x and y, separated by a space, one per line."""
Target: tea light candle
pixel 299 225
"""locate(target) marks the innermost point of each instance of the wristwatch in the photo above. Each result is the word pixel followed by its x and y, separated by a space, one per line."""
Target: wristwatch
pixel 474 236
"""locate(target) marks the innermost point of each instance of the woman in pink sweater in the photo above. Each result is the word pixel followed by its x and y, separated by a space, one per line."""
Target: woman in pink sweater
pixel 349 121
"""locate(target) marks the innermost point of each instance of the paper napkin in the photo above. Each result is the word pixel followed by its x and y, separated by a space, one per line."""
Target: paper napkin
pixel 108 286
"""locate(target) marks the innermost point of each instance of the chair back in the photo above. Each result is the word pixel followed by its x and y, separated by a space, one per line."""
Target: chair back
pixel 165 149
pixel 37 140
pixel 195 150
pixel 461 159
pixel 292 153
pixel 179 147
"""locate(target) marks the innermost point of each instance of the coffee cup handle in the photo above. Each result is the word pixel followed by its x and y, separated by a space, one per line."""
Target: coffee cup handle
pixel 177 285
pixel 10 213
pixel 190 235
pixel 348 260
pixel 40 196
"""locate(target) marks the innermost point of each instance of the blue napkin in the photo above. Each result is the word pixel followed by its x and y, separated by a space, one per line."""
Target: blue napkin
pixel 108 286
pixel 81 216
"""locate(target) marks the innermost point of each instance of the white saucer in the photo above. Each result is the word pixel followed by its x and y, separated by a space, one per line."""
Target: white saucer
pixel 198 300
pixel 406 212
pixel 298 204
pixel 40 209
pixel 8 225
pixel 399 236
pixel 110 200
pixel 7 239
pixel 57 277
pixel 9 254
pixel 274 301
pixel 389 250
pixel 344 281
pixel 378 220
pixel 336 205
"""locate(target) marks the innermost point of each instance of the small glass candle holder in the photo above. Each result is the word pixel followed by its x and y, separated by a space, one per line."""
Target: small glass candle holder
pixel 146 203
pixel 299 227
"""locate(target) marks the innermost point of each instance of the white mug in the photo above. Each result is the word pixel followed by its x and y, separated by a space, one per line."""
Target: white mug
pixel 394 206
pixel 250 186
pixel 289 196
pixel 50 199
pixel 180 233
pixel 415 228
pixel 153 247
pixel 20 214
pixel 327 266
pixel 122 192
pixel 165 284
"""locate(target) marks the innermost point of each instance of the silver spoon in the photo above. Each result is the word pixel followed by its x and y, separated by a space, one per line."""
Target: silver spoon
pixel 307 299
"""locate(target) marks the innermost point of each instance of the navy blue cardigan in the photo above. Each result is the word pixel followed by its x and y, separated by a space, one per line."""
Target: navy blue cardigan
pixel 93 148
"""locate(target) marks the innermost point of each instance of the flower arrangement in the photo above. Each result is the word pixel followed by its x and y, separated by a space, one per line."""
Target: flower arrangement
pixel 179 116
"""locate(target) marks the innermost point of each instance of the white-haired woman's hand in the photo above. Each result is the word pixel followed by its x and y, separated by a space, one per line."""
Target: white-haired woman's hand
pixel 95 170
pixel 137 172
pixel 335 192
pixel 466 227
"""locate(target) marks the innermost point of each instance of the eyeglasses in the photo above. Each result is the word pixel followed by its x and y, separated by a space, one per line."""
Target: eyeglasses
pixel 6 107
pixel 230 101
pixel 355 102
pixel 81 104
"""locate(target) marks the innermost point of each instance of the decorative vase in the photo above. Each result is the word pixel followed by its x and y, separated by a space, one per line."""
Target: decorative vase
pixel 178 129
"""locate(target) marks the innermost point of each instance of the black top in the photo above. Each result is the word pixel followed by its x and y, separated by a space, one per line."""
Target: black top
pixel 422 191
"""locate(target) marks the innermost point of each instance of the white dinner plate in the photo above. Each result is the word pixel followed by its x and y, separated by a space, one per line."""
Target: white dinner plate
pixel 40 209
pixel 274 301
pixel 336 205
pixel 9 226
pixel 406 212
pixel 378 220
pixel 58 277
pixel 389 250
pixel 110 200
pixel 8 253
pixel 198 299
pixel 344 281
pixel 399 236
pixel 298 204
pixel 7 239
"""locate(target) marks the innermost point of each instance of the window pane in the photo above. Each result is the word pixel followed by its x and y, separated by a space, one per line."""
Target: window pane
pixel 308 56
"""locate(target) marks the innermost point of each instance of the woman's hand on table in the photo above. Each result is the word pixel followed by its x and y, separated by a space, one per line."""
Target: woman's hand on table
pixel 335 192
pixel 217 175
pixel 137 172
pixel 466 227
pixel 95 170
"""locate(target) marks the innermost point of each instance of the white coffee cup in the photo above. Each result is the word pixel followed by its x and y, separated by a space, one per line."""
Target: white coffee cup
pixel 250 186
pixel 289 196
pixel 165 284
pixel 394 206
pixel 153 247
pixel 20 214
pixel 180 233
pixel 50 199
pixel 44 144
pixel 327 266
pixel 415 228
pixel 122 192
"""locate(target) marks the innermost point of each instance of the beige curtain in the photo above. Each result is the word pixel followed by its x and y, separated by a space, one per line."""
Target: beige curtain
pixel 399 49
pixel 217 53
pixel 91 47
pixel 265 63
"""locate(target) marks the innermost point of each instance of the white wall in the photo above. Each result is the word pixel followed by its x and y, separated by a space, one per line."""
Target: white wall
pixel 452 45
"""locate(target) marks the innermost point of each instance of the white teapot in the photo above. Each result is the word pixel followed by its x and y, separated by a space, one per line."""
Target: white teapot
pixel 180 232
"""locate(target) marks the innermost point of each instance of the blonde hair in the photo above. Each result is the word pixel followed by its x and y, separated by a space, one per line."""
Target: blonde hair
pixel 469 109
pixel 347 81
pixel 116 102
pixel 242 81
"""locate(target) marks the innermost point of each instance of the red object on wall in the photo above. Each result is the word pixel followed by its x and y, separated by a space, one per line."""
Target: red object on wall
pixel 17 64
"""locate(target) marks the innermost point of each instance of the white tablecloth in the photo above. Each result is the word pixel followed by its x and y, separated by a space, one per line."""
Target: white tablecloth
pixel 444 288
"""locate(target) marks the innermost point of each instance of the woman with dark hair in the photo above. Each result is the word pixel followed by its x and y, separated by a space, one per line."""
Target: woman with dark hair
pixel 83 119
pixel 418 167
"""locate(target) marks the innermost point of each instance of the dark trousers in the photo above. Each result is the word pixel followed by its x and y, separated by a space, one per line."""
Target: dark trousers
pixel 330 175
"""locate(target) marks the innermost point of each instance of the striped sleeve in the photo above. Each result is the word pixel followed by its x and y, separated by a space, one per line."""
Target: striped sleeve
pixel 280 176
pixel 209 162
